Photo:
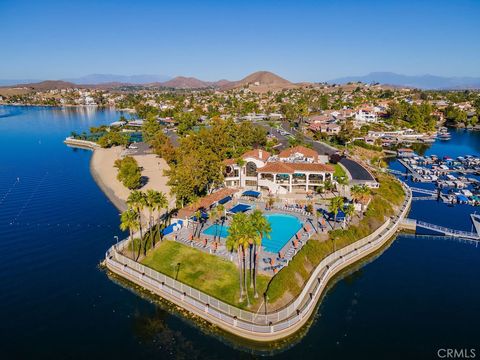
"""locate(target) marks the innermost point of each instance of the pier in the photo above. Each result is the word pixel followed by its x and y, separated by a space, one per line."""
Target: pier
pixel 412 224
pixel 261 327
pixel 415 175
pixel 424 191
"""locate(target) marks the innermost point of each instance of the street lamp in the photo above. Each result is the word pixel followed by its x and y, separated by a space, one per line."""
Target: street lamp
pixel 116 238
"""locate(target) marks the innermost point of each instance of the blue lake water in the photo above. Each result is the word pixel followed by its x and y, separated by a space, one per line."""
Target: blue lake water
pixel 55 225
pixel 284 227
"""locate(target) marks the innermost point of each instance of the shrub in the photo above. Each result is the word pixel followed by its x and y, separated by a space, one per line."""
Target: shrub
pixel 129 173
pixel 292 278
pixel 113 138
pixel 364 145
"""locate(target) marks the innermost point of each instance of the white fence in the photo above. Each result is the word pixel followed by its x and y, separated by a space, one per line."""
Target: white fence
pixel 233 317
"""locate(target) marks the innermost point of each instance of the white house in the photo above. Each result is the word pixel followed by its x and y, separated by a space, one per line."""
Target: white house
pixel 293 170
pixel 366 114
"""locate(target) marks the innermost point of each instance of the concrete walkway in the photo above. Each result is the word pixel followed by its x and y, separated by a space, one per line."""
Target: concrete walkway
pixel 269 326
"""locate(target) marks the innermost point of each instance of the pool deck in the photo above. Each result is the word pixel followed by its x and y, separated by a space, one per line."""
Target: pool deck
pixel 288 250
pixel 272 326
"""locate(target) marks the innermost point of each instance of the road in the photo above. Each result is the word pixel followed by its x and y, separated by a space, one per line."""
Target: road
pixel 320 147
pixel 357 172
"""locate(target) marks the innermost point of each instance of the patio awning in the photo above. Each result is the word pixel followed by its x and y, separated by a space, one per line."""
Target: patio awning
pixel 203 215
pixel 239 208
pixel 225 200
pixel 173 227
pixel 251 193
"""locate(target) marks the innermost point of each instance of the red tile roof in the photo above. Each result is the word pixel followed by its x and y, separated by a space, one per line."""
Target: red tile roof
pixel 257 154
pixel 229 161
pixel 205 202
pixel 276 167
pixel 298 149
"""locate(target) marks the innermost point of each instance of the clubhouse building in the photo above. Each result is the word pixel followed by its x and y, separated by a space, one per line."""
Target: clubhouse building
pixel 294 170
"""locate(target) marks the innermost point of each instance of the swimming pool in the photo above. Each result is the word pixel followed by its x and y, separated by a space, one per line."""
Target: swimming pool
pixel 284 227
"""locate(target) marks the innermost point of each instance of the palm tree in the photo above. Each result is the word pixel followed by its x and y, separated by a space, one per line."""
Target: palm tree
pixel 136 201
pixel 328 185
pixel 150 205
pixel 247 236
pixel 359 193
pixel 155 201
pixel 197 216
pixel 349 211
pixel 356 192
pixel 161 202
pixel 129 221
pixel 221 212
pixel 240 236
pixel 214 217
pixel 233 243
pixel 263 229
pixel 336 204
pixel 342 181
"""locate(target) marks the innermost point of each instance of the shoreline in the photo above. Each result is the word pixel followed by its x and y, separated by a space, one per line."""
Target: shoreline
pixel 99 107
pixel 104 173
pixel 109 193
pixel 262 328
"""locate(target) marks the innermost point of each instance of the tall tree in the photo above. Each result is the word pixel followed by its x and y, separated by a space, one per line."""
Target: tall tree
pixel 349 211
pixel 136 201
pixel 129 221
pixel 150 128
pixel 263 229
pixel 336 204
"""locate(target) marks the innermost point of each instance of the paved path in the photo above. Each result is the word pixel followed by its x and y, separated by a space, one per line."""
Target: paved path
pixel 270 326
pixel 357 171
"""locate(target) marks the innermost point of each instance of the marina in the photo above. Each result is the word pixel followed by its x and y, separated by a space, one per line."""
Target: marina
pixel 86 230
pixel 456 181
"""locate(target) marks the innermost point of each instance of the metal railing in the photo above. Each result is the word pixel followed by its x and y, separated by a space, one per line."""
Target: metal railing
pixel 423 191
pixel 270 322
pixel 447 231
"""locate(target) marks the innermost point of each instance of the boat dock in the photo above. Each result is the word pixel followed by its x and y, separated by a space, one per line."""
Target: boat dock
pixel 412 224
pixel 424 191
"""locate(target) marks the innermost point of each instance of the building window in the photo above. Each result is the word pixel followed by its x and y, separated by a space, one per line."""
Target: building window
pixel 251 169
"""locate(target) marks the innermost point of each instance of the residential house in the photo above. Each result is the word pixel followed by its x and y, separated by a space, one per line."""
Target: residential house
pixel 297 169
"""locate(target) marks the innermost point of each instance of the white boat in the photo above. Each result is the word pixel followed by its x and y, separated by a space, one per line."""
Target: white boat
pixel 466 192
pixel 459 185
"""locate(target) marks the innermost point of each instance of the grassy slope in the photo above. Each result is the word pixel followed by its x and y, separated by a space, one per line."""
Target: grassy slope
pixel 205 272
pixel 339 171
pixel 219 278
pixel 292 278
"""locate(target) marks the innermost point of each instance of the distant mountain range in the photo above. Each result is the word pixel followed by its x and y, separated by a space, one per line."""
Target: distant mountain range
pixel 95 79
pixel 260 81
pixel 10 82
pixel 420 81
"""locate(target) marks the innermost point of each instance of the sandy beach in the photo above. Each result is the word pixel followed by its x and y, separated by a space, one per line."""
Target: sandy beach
pixel 105 175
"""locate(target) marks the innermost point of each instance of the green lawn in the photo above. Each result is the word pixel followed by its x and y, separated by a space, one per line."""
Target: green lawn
pixel 339 171
pixel 219 278
pixel 205 272
pixel 292 278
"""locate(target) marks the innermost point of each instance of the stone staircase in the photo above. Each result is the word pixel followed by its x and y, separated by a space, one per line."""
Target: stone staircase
pixel 273 187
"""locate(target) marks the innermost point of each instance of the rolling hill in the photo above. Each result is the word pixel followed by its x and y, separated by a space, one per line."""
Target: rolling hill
pixel 260 81
pixel 414 81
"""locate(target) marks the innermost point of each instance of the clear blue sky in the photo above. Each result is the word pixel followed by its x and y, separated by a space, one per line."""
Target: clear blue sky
pixel 300 40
